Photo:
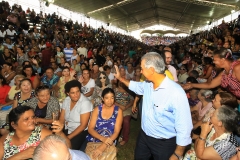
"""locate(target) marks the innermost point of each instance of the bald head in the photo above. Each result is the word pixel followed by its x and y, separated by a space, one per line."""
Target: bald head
pixel 52 147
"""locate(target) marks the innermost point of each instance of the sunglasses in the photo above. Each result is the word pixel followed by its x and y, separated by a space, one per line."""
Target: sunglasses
pixel 102 77
pixel 182 69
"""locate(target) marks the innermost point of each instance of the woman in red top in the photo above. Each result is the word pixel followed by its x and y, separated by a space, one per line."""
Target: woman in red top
pixel 4 89
pixel 229 78
pixel 90 52
pixel 29 73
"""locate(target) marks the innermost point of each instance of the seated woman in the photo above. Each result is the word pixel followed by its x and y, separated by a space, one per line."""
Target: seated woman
pixel 222 98
pixel 216 140
pixel 7 54
pixel 44 105
pixel 13 90
pixel 16 88
pixel 29 73
pixel 83 66
pixel 62 62
pixel 105 117
pixel 102 82
pixel 25 94
pixel 24 136
pixel 76 66
pixel 124 101
pixel 18 72
pixel 88 84
pixel 203 106
pixel 8 72
pixel 137 74
pixel 208 67
pixel 75 113
pixel 66 77
pixel 4 89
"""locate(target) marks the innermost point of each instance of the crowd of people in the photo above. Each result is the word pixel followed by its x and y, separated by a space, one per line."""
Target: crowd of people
pixel 86 84
pixel 159 40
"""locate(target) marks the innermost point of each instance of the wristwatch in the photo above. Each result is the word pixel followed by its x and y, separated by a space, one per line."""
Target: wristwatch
pixel 179 157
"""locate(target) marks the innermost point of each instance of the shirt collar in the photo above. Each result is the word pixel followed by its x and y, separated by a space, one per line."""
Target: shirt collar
pixel 163 85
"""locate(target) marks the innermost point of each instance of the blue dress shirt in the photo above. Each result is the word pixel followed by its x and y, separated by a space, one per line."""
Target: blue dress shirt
pixel 78 155
pixel 165 111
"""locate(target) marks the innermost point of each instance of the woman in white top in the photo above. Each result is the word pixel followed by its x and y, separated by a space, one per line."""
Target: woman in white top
pixel 88 83
pixel 75 114
pixel 7 72
pixel 75 56
pixel 129 71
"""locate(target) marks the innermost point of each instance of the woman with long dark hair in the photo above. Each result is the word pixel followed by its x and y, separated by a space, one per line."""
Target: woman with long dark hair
pixel 66 77
pixel 8 72
pixel 105 123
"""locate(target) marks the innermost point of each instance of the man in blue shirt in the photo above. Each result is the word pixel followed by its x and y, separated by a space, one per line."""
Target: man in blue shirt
pixel 68 51
pixel 166 118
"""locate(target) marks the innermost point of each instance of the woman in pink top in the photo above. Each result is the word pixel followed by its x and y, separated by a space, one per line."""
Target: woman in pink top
pixel 205 103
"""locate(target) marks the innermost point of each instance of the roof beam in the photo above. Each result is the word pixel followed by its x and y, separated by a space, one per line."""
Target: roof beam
pixel 111 6
pixel 132 14
pixel 161 17
pixel 180 17
pixel 125 13
pixel 158 8
pixel 211 4
pixel 154 6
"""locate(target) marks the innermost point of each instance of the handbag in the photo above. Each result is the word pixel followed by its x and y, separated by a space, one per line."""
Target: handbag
pixel 110 153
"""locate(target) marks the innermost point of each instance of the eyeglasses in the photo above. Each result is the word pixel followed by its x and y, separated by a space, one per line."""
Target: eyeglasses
pixel 182 69
pixel 102 77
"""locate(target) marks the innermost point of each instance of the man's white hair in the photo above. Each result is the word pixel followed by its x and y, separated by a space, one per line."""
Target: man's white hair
pixel 153 59
pixel 48 145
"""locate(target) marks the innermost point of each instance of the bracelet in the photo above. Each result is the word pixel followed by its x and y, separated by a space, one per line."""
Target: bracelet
pixel 202 138
pixel 179 157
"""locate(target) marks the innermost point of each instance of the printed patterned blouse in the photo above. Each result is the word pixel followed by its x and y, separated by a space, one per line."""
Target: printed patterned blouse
pixel 33 140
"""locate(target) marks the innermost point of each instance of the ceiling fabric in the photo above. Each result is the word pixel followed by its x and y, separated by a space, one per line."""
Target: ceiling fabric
pixel 131 15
